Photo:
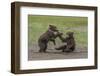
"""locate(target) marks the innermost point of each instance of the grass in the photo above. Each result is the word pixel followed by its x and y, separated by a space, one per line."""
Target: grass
pixel 38 24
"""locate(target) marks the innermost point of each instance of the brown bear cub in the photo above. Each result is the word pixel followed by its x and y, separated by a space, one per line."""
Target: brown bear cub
pixel 70 43
pixel 49 35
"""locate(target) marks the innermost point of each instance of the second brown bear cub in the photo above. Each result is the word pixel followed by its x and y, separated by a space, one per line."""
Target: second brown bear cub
pixel 49 35
pixel 70 43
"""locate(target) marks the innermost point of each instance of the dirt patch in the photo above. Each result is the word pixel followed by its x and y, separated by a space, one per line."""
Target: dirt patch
pixel 57 55
pixel 51 54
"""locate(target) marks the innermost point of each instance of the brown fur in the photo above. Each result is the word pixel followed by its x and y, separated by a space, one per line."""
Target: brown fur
pixel 70 43
pixel 49 35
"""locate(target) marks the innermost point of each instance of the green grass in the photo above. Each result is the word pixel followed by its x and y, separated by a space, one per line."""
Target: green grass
pixel 38 24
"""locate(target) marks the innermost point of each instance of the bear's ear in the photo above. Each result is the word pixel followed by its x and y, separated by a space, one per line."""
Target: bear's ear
pixel 70 33
pixel 50 25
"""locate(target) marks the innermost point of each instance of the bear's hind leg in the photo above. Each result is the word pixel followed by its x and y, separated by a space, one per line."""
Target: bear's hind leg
pixel 61 48
pixel 43 47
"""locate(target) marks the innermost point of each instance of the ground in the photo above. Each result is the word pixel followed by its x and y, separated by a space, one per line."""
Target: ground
pixel 77 54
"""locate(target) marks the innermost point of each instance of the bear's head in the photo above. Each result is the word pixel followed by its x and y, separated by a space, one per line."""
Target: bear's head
pixel 70 34
pixel 53 28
